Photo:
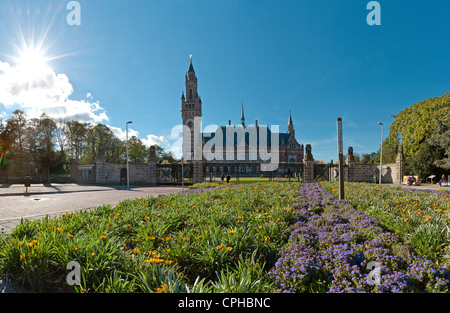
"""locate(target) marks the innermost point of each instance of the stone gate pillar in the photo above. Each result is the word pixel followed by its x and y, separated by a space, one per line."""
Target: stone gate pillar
pixel 308 165
pixel 350 162
pixel 400 163
pixel 197 175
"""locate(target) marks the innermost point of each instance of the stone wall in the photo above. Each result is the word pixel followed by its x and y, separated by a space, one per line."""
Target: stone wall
pixel 392 173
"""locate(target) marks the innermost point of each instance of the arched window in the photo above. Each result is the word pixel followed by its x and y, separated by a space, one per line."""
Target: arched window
pixel 190 93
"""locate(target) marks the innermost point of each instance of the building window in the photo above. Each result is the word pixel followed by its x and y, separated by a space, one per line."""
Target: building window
pixel 190 93
pixel 242 169
pixel 253 169
pixel 86 174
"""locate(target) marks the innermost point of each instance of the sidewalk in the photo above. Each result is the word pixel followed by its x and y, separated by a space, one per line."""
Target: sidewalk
pixel 56 199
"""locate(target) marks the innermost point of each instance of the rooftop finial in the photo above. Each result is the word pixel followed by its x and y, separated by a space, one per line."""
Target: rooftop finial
pixel 191 68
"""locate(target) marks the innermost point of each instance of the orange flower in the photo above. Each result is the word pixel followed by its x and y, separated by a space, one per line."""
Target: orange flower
pixel 164 288
pixel 267 239
pixel 229 249
pixel 220 246
pixel 59 230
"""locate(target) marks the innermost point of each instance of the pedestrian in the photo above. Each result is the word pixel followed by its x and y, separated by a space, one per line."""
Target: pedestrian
pixel 228 178
pixel 443 180
pixel 222 177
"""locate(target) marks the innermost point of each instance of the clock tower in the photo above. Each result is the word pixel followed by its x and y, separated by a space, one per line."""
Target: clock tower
pixel 191 107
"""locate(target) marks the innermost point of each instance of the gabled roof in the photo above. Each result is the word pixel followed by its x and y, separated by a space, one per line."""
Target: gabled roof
pixel 223 129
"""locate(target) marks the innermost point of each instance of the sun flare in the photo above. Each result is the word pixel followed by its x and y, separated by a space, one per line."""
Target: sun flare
pixel 32 64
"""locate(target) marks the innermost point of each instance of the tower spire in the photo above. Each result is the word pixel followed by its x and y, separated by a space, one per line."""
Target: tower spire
pixel 191 68
pixel 242 115
pixel 290 129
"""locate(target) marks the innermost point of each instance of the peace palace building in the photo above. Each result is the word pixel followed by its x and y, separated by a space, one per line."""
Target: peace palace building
pixel 238 150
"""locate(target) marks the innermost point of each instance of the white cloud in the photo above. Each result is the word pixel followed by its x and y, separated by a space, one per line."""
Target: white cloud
pixel 151 140
pixel 122 134
pixel 49 93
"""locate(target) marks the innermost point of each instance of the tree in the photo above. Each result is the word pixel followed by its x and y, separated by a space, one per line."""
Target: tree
pixel 46 136
pixel 162 155
pixel 441 139
pixel 422 163
pixel 415 124
pixel 76 133
pixel 137 151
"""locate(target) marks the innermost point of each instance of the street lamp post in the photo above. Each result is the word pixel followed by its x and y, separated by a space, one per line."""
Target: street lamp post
pixel 381 151
pixel 128 169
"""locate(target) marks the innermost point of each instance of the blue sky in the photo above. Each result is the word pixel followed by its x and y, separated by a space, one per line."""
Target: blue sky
pixel 318 59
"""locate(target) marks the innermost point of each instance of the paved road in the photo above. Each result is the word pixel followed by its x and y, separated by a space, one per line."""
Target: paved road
pixel 54 199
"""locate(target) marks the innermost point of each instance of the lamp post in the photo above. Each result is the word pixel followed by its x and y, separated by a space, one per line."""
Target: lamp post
pixel 128 169
pixel 381 151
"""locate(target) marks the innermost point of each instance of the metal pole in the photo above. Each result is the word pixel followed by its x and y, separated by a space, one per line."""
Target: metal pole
pixel 128 169
pixel 381 152
pixel 341 159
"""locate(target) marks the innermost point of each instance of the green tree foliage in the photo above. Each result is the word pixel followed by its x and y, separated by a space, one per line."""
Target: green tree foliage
pixel 422 163
pixel 415 124
pixel 441 139
pixel 137 151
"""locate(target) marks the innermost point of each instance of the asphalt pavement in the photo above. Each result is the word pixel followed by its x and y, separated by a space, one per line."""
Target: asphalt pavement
pixel 53 199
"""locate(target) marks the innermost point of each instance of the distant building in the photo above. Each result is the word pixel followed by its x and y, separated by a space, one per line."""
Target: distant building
pixel 246 156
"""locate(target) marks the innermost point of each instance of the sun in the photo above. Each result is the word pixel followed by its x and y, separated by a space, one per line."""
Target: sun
pixel 32 64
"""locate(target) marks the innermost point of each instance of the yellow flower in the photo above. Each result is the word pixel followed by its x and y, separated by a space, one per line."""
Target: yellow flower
pixel 169 262
pixel 30 255
pixel 220 246
pixel 69 235
pixel 240 217
pixel 168 250
pixel 151 238
pixel 22 256
pixel 102 236
pixel 231 231
pixel 93 254
pixel 136 250
pixel 59 230
pixel 30 244
pixel 267 239
pixel 229 249
pixel 75 249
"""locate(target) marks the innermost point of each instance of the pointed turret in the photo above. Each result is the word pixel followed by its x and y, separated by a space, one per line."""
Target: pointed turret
pixel 242 116
pixel 191 67
pixel 290 129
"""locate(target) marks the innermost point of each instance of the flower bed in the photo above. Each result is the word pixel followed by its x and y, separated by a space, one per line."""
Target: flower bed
pixel 204 240
pixel 420 218
pixel 333 246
